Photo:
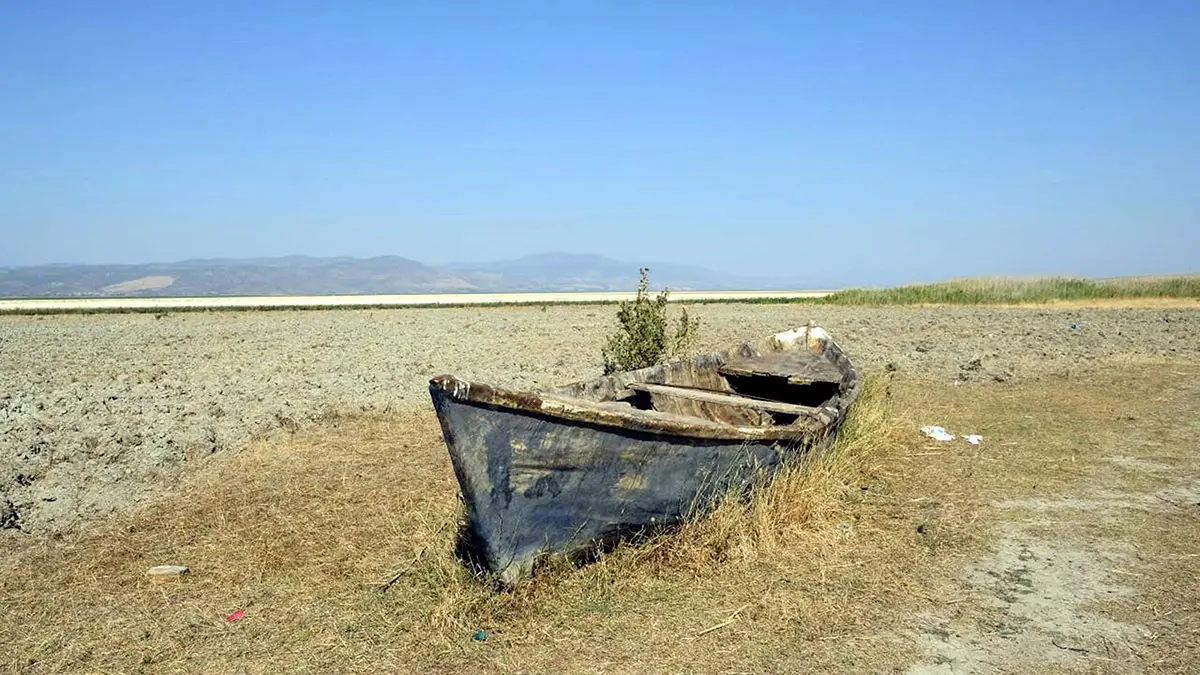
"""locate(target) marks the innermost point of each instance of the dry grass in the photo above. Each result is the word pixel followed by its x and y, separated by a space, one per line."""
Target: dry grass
pixel 820 572
pixel 800 511
pixel 301 531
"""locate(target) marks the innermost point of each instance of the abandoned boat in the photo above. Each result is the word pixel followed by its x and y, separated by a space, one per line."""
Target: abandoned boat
pixel 562 471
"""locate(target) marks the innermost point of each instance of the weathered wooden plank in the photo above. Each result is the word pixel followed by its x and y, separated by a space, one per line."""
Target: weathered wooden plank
pixel 725 399
pixel 570 408
pixel 628 410
pixel 798 368
pixel 700 376
pixel 738 416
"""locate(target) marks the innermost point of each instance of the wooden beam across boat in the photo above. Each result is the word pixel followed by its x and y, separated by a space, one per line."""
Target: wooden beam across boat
pixel 796 368
pixel 724 399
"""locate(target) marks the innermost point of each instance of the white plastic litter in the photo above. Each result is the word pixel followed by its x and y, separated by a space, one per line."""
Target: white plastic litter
pixel 973 439
pixel 937 433
pixel 161 572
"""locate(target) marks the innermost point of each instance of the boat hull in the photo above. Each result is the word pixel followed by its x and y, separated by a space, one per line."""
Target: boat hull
pixel 568 470
pixel 536 484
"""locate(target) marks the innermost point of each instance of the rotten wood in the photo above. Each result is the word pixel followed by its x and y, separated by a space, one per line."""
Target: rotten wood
pixel 724 399
pixel 796 367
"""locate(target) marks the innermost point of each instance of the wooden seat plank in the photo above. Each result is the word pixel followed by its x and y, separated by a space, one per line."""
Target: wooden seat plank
pixel 796 367
pixel 724 399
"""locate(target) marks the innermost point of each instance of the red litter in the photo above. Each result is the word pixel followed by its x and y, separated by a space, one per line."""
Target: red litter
pixel 236 616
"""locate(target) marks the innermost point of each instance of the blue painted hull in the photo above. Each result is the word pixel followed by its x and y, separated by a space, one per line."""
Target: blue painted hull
pixel 535 485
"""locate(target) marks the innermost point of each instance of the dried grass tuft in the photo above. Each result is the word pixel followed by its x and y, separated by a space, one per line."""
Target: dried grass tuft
pixel 801 511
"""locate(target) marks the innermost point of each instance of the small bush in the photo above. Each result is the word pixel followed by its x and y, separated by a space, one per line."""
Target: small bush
pixel 644 336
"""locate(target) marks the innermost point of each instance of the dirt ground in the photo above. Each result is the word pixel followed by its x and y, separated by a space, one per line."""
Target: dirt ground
pixel 97 411
pixel 1090 506
pixel 1064 542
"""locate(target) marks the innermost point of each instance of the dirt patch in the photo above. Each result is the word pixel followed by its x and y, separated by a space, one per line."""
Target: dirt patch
pixel 1032 600
pixel 1077 571
pixel 97 412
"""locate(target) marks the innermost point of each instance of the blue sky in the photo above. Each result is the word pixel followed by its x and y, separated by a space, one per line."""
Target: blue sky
pixel 898 140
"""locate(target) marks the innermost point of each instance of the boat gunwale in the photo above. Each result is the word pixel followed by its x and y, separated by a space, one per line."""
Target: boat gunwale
pixel 555 405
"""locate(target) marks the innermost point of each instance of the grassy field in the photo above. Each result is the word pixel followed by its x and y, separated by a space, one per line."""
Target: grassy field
pixel 1013 292
pixel 890 552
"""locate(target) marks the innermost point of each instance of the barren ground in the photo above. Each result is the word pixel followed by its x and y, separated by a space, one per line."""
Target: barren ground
pixel 1064 542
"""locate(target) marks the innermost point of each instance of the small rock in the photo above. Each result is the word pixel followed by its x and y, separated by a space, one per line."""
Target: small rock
pixel 165 572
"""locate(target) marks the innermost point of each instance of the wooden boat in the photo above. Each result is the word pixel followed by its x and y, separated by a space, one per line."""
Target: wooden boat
pixel 563 471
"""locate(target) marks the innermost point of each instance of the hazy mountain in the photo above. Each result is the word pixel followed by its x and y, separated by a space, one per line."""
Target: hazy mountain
pixel 293 275
pixel 304 275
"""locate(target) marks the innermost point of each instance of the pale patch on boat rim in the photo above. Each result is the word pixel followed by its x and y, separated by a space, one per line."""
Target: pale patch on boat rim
pixel 815 335
pixel 553 406
pixel 787 337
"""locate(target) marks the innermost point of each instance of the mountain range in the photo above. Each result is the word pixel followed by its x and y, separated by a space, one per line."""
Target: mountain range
pixel 304 275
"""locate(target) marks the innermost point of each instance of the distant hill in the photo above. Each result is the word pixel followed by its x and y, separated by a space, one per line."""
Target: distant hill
pixel 304 275
pixel 293 275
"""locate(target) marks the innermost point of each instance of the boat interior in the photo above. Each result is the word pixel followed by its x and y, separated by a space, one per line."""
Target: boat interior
pixel 745 388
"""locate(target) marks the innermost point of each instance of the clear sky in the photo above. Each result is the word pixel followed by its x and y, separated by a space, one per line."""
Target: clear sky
pixel 902 140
